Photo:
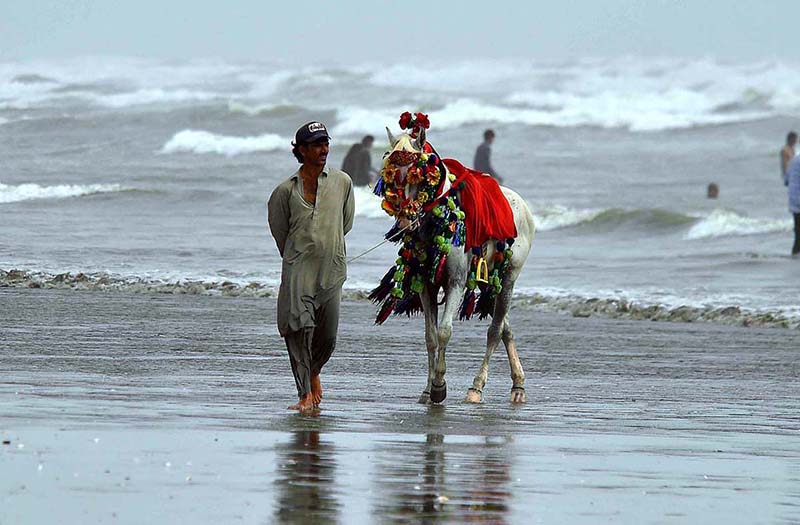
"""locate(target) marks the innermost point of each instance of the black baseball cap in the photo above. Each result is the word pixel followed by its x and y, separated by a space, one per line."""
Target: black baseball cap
pixel 311 132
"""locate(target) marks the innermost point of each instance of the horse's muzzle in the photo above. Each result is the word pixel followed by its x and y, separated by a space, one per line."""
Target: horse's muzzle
pixel 403 157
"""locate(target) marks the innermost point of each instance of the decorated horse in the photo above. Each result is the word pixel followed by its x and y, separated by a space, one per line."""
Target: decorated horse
pixel 462 234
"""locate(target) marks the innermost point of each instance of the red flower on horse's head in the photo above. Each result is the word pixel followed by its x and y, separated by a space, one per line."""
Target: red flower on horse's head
pixel 405 120
pixel 422 121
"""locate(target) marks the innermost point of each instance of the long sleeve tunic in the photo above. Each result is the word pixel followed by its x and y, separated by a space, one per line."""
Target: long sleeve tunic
pixel 310 239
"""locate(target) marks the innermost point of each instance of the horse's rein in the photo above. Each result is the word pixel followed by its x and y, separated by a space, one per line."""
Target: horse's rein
pixel 391 238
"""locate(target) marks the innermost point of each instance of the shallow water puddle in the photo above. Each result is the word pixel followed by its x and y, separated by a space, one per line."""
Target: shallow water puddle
pixel 311 476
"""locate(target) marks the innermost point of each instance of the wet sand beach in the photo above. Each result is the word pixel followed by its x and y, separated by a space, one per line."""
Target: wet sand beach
pixel 152 408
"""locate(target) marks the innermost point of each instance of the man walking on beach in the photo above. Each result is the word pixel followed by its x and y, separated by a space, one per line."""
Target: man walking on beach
pixel 787 154
pixel 483 154
pixel 357 163
pixel 309 215
pixel 793 181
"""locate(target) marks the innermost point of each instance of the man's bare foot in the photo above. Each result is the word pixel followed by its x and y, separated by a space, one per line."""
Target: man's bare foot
pixel 316 389
pixel 306 403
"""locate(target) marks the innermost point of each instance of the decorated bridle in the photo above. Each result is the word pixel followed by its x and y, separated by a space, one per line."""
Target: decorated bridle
pixel 419 167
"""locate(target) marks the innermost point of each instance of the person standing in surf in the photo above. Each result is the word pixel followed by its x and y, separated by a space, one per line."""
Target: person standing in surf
pixel 358 163
pixel 483 156
pixel 309 215
pixel 787 154
pixel 793 182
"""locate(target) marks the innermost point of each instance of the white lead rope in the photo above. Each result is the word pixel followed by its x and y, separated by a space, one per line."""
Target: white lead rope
pixel 392 238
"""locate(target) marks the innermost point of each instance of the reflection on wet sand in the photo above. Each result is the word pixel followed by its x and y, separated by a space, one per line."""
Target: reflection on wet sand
pixel 790 500
pixel 305 480
pixel 438 482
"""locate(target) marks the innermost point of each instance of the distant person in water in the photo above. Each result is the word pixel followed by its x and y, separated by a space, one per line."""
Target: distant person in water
pixel 712 192
pixel 787 154
pixel 793 181
pixel 309 215
pixel 358 164
pixel 483 156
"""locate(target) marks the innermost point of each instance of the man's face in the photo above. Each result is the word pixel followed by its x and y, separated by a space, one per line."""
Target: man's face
pixel 316 153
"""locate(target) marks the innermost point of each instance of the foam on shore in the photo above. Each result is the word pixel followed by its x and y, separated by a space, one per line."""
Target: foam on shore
pixel 576 306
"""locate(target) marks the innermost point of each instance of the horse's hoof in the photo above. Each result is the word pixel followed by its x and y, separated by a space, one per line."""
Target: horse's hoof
pixel 517 395
pixel 438 392
pixel 424 398
pixel 473 396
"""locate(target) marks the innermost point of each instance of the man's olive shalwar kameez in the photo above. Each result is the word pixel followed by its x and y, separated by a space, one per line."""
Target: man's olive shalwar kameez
pixel 310 238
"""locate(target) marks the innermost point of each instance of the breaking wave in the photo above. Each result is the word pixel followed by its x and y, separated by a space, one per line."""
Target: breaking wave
pixel 262 109
pixel 718 223
pixel 198 141
pixel 150 96
pixel 553 217
pixel 726 223
pixel 24 192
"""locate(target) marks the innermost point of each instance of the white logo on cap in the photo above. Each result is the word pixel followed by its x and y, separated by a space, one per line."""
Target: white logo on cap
pixel 316 126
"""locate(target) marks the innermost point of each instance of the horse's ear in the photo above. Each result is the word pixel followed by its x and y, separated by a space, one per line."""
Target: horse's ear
pixel 419 142
pixel 392 140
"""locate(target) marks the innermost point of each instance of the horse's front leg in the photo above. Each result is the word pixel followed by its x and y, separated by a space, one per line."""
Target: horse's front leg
pixel 430 311
pixel 444 332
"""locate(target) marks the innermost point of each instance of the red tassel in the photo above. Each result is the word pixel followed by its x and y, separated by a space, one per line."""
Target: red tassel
pixel 440 269
pixel 470 309
pixel 386 310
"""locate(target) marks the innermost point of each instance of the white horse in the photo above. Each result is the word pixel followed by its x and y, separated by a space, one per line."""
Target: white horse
pixel 439 324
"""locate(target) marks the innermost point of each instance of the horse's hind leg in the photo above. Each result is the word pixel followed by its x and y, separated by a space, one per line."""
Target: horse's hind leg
pixel 475 392
pixel 500 328
pixel 517 374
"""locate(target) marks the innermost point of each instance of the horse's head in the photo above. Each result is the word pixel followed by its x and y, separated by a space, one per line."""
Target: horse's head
pixel 411 176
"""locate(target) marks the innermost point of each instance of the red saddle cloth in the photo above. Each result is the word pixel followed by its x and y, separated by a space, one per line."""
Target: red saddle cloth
pixel 489 215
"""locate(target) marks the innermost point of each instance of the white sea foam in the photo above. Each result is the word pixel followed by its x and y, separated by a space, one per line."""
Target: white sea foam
pixel 726 223
pixel 604 110
pixel 149 96
pixel 635 93
pixel 354 120
pixel 252 110
pixel 367 203
pixel 641 95
pixel 138 81
pixel 555 216
pixel 24 192
pixel 197 141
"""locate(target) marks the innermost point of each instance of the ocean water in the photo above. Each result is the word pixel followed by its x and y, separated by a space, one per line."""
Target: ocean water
pixel 155 171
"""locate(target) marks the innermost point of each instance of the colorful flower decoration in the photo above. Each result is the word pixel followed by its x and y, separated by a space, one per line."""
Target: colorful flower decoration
pixel 423 255
pixel 425 172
